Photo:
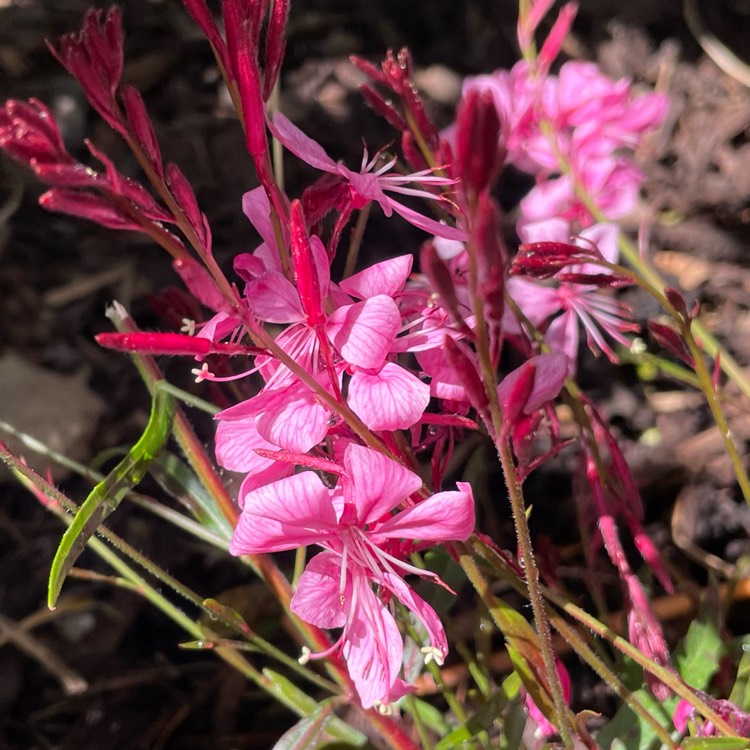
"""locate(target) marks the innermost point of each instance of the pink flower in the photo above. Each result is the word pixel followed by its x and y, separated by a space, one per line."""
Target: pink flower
pixel 368 185
pixel 354 524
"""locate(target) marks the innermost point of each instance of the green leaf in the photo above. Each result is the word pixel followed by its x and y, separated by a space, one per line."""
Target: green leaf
pixel 108 494
pixel 698 657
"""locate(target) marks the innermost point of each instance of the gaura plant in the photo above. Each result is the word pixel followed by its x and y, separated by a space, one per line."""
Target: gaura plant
pixel 372 378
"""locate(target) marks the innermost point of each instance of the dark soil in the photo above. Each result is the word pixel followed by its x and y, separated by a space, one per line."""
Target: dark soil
pixel 143 692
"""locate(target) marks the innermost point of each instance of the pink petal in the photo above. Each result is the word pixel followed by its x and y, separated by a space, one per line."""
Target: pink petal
pixel 218 327
pixel 446 516
pixel 293 419
pixel 392 399
pixel 431 226
pixel 373 648
pixel 364 332
pixel 292 512
pixel 256 207
pixel 318 597
pixel 274 299
pixel 301 145
pixel 375 484
pixel 260 477
pixel 409 598
pixel 236 442
pixel 388 277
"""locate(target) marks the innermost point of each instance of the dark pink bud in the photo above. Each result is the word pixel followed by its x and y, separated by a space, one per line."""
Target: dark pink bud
pixel 370 70
pixel 479 151
pixel 384 107
pixel 677 301
pixel 275 45
pixel 551 47
pixel 87 205
pixel 434 267
pixel 201 285
pixel 530 386
pixel 243 30
pixel 668 338
pixel 463 363
pixel 170 343
pixel 308 284
pixel 594 279
pixel 116 184
pixel 542 260
pixel 67 175
pixel 185 197
pixel 94 58
pixel 491 258
pixel 202 16
pixel 140 123
pixel 29 134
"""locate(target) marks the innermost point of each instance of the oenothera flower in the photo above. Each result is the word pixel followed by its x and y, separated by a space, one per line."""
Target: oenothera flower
pixel 354 523
pixel 369 184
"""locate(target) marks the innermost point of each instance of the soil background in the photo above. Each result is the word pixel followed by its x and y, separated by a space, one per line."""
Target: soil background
pixel 58 274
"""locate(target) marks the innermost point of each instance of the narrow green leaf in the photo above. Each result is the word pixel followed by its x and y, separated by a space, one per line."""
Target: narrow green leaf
pixel 108 494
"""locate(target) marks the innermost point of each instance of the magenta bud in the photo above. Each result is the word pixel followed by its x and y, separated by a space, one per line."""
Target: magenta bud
pixel 479 151
pixel 491 257
pixel 668 338
pixel 29 134
pixel 94 58
pixel 185 197
pixel 370 70
pixel 542 260
pixel 439 275
pixel 462 360
pixel 200 284
pixel 594 279
pixel 243 29
pixel 170 343
pixel 275 45
pixel 140 123
pixel 87 205
pixel 308 284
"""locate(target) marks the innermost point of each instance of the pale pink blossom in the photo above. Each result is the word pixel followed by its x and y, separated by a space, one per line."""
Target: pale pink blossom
pixel 354 523
pixel 369 184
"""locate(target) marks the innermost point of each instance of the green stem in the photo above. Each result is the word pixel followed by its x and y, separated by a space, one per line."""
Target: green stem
pixel 669 678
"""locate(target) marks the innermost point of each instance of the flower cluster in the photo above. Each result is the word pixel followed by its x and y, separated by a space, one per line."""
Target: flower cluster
pixel 574 132
pixel 365 383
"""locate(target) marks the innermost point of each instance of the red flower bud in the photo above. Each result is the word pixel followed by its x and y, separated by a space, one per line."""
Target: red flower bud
pixel 542 260
pixel 29 134
pixel 672 341
pixel 94 58
pixel 141 126
pixel 275 45
pixel 462 361
pixel 308 283
pixel 479 151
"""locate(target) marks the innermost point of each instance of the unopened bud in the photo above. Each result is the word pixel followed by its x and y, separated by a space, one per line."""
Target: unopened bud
pixel 479 151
